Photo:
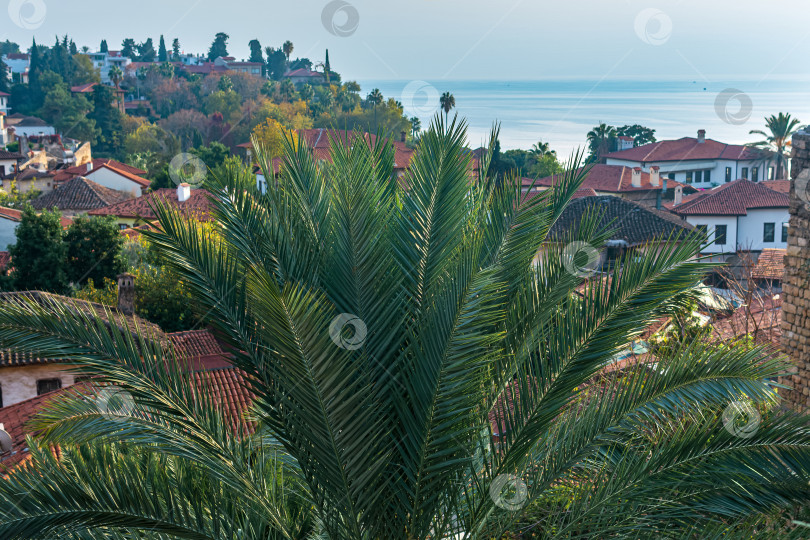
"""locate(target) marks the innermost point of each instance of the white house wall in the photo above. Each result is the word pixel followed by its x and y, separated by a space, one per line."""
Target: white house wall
pixel 752 229
pixel 717 168
pixel 19 383
pixel 711 222
pixel 112 180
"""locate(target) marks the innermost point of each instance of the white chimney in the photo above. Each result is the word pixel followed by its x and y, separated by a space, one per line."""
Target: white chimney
pixel 89 166
pixel 701 136
pixel 678 195
pixel 636 177
pixel 183 192
pixel 655 175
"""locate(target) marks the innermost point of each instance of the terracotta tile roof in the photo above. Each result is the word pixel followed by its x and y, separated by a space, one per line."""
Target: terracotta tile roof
pixel 143 182
pixel 69 173
pixel 226 387
pixel 770 264
pixel 631 222
pixel 303 72
pixel 782 186
pixel 195 343
pixel 4 154
pixel 732 199
pixel 79 194
pixel 687 149
pixel 10 213
pixel 198 205
pixel 83 88
pixel 30 173
pixel 608 179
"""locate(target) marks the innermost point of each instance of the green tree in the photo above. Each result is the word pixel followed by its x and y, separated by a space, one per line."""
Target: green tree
pixel 780 129
pixel 176 50
pixel 103 47
pixel 128 48
pixel 641 135
pixel 276 63
pixel 447 102
pixel 8 47
pixel 374 99
pixel 36 93
pixel 287 89
pixel 146 51
pixel 107 117
pixel 116 76
pixel 69 113
pixel 287 48
pixel 212 155
pixel 219 47
pixel 601 141
pixel 93 246
pixel 256 54
pixel 414 369
pixel 306 93
pixel 39 253
pixel 416 127
pixel 4 75
pixel 163 54
pixel 225 84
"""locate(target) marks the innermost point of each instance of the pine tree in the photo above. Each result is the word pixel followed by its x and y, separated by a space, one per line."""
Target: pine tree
pixel 103 48
pixel 4 85
pixel 219 47
pixel 163 55
pixel 39 254
pixel 327 69
pixel 176 50
pixel 35 69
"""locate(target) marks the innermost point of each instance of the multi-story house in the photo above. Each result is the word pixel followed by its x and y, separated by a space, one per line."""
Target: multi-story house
pixel 699 162
pixel 739 216
pixel 103 61
pixel 18 66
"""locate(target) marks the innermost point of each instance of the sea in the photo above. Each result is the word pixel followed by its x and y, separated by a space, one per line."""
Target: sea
pixel 561 112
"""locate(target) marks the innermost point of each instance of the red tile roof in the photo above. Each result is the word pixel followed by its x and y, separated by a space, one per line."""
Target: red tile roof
pixel 10 213
pixel 762 320
pixel 79 194
pixel 732 199
pixel 608 179
pixel 687 149
pixel 198 205
pixel 770 264
pixel 226 387
pixel 303 72
pixel 782 186
pixel 63 175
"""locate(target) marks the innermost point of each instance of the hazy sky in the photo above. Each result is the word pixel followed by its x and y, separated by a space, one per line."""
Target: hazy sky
pixel 455 39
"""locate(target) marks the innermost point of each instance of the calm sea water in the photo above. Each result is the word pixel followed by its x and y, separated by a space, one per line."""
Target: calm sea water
pixel 562 112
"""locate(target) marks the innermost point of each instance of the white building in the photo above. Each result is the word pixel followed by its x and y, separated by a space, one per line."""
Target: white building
pixel 18 66
pixel 4 102
pixel 740 215
pixel 103 61
pixel 699 162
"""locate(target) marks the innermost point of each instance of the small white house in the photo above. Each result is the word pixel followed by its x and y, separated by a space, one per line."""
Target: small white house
pixel 8 160
pixel 739 216
pixel 700 162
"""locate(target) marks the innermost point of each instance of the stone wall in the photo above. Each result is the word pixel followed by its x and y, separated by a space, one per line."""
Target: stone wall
pixel 796 287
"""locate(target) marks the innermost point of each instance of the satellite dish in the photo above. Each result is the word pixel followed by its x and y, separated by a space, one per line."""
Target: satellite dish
pixel 5 441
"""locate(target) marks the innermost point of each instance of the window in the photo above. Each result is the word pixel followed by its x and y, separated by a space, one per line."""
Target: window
pixel 784 233
pixel 671 176
pixel 122 226
pixel 770 173
pixel 744 172
pixel 767 232
pixel 728 174
pixel 48 385
pixel 720 232
pixel 697 177
pixel 707 176
pixel 704 230
pixel 755 174
pixel 689 178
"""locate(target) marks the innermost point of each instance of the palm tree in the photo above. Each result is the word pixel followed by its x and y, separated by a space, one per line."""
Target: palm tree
pixel 375 98
pixel 541 149
pixel 416 127
pixel 600 141
pixel 287 89
pixel 412 370
pixel 447 102
pixel 116 76
pixel 287 48
pixel 780 129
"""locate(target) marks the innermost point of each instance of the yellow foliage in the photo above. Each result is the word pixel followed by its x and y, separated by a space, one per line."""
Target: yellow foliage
pixel 270 135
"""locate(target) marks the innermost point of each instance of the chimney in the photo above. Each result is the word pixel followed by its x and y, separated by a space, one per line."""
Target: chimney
pixel 655 175
pixel 678 196
pixel 183 192
pixel 636 177
pixel 701 136
pixel 402 136
pixel 126 294
pixel 89 165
